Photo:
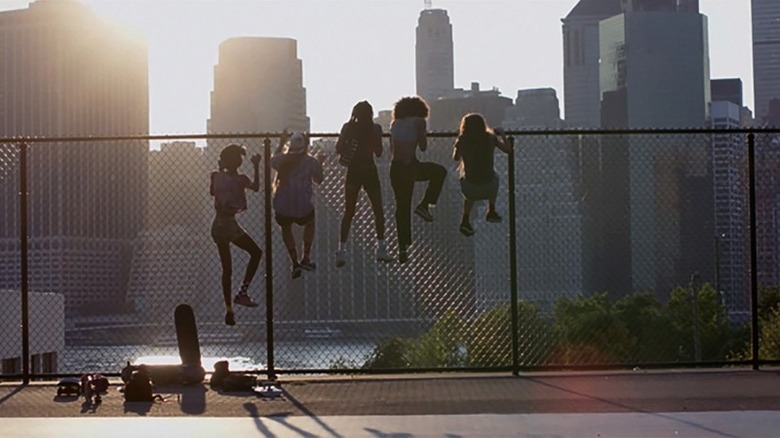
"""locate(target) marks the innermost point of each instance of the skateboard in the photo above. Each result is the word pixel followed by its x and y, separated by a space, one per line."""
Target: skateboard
pixel 191 370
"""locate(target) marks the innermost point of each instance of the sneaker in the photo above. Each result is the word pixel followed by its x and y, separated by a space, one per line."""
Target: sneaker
pixel 493 217
pixel 403 256
pixel 466 230
pixel 307 265
pixel 296 271
pixel 424 213
pixel 382 255
pixel 341 258
pixel 244 300
pixel 230 318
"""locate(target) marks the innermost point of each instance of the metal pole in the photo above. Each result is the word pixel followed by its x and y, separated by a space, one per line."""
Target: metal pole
pixel 25 280
pixel 753 249
pixel 513 260
pixel 269 280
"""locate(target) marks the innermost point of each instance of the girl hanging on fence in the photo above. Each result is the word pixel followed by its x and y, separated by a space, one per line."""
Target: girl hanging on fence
pixel 228 187
pixel 359 142
pixel 296 171
pixel 407 133
pixel 478 181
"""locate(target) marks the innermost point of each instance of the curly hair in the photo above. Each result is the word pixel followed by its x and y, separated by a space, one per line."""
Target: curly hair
pixel 231 156
pixel 410 106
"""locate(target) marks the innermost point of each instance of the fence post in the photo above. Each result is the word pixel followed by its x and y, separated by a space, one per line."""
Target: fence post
pixel 753 249
pixel 269 266
pixel 25 283
pixel 513 259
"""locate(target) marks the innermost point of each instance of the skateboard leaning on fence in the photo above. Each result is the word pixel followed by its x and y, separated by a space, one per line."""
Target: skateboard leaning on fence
pixel 191 370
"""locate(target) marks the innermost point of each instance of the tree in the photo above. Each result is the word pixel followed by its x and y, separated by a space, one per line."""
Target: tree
pixel 589 331
pixel 649 326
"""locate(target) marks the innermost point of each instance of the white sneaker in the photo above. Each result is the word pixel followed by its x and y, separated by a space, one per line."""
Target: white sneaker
pixel 382 255
pixel 341 258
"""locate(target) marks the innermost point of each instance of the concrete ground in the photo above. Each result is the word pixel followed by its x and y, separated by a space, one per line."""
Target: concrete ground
pixel 721 403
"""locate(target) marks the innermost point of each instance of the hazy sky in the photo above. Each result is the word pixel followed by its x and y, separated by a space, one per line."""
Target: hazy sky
pixel 364 49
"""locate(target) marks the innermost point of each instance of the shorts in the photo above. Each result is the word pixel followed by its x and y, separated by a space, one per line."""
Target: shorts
pixel 226 229
pixel 284 221
pixel 363 176
pixel 479 191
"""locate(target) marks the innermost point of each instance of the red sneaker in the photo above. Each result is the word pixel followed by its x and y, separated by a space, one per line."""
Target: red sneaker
pixel 245 300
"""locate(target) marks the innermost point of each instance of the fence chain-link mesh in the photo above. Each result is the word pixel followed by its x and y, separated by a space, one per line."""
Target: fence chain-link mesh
pixel 10 260
pixel 632 249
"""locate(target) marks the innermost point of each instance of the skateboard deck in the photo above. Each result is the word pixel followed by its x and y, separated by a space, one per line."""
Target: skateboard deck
pixel 191 370
pixel 187 335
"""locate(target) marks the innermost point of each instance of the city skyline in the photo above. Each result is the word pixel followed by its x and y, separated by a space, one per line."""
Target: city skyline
pixel 370 54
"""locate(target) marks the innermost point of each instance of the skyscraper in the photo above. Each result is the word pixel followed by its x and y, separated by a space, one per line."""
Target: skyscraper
pixel 766 55
pixel 67 72
pixel 581 95
pixel 434 51
pixel 654 73
pixel 258 87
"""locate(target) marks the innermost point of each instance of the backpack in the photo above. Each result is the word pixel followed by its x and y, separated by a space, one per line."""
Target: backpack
pixel 349 152
pixel 139 387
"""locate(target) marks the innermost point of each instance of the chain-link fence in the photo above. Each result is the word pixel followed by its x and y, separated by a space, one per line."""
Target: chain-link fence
pixel 616 249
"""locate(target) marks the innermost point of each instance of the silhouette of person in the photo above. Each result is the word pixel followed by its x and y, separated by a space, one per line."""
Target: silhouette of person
pixel 296 171
pixel 228 187
pixel 408 132
pixel 474 149
pixel 366 136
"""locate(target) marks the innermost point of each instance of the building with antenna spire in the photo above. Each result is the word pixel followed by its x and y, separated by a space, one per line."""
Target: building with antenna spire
pixel 434 54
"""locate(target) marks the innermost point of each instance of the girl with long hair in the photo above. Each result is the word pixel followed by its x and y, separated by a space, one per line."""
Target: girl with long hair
pixel 360 140
pixel 478 180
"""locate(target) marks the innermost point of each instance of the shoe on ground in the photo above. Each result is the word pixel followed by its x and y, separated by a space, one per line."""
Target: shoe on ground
pixel 296 271
pixel 230 318
pixel 493 217
pixel 403 256
pixel 244 300
pixel 307 265
pixel 466 230
pixel 382 255
pixel 424 213
pixel 341 258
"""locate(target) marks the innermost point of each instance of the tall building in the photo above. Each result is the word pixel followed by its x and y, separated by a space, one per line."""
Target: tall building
pixel 730 184
pixel 434 55
pixel 654 73
pixel 258 87
pixel 581 95
pixel 67 72
pixel 548 216
pixel 766 55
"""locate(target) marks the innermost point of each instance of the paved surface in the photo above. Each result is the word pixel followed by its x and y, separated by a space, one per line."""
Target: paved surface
pixel 654 403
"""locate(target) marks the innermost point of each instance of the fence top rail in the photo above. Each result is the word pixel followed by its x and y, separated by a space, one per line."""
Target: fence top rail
pixel 519 133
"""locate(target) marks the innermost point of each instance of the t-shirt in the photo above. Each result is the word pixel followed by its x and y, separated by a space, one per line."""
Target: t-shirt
pixel 293 192
pixel 229 191
pixel 476 152
pixel 369 143
pixel 405 135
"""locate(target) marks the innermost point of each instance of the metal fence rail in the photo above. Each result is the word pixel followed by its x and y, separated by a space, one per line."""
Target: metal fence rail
pixel 616 249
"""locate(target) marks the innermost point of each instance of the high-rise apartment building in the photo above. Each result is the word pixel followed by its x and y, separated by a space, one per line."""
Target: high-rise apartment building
pixel 766 55
pixel 69 73
pixel 434 55
pixel 654 73
pixel 581 95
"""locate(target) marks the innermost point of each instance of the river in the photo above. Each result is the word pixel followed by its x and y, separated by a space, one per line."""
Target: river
pixel 314 354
